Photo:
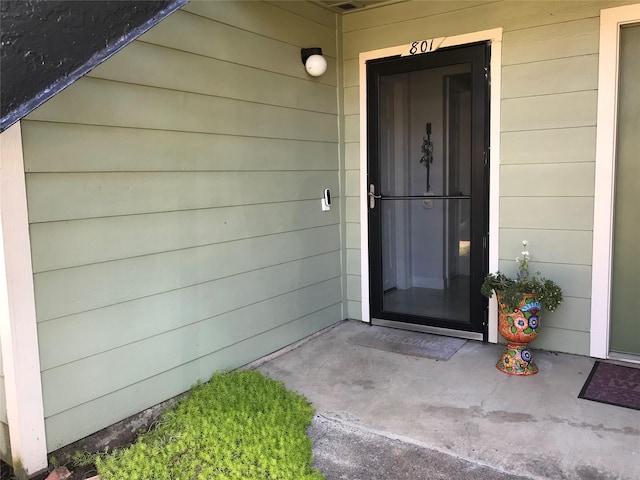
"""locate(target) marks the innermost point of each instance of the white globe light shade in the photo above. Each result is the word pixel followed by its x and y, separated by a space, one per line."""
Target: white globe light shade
pixel 316 65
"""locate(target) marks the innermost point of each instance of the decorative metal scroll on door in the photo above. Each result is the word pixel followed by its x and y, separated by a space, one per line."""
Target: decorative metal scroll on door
pixel 427 154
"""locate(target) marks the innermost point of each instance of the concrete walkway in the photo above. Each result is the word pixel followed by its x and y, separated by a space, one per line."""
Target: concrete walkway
pixel 383 415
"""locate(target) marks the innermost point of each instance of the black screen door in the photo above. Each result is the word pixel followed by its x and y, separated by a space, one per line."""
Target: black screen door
pixel 427 134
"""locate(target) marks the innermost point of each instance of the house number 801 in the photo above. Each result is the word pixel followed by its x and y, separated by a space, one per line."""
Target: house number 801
pixel 421 47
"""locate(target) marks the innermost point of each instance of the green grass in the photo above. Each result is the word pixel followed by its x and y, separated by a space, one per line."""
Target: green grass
pixel 240 425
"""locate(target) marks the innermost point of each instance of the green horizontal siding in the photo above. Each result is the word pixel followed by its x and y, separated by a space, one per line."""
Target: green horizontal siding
pixel 73 290
pixel 569 247
pixel 145 64
pixel 559 76
pixel 352 183
pixel 105 410
pixel 558 145
pixel 121 367
pixel 272 22
pixel 200 35
pixel 174 208
pixel 402 13
pixel 355 309
pixel 419 20
pixel 352 156
pixel 354 290
pixel 64 244
pixel 563 340
pixel 550 71
pixel 156 150
pixel 128 322
pixel 353 235
pixel 353 262
pixel 566 110
pixel 351 100
pixel 96 101
pixel 549 179
pixel 309 11
pixel 351 128
pixel 69 196
pixel 351 73
pixel 552 213
pixel 559 40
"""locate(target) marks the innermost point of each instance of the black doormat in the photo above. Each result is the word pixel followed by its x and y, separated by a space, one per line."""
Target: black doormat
pixel 405 342
pixel 613 384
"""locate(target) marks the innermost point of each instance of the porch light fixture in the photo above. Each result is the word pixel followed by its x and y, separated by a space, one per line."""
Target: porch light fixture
pixel 313 61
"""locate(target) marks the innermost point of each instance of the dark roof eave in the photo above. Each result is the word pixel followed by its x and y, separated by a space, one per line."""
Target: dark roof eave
pixel 63 78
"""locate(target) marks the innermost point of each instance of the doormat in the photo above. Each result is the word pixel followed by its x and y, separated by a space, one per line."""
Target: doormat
pixel 613 384
pixel 418 344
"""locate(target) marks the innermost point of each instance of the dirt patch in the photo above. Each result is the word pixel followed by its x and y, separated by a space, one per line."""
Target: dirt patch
pixel 77 473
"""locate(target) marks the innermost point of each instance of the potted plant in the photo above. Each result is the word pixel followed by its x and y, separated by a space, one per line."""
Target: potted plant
pixel 520 303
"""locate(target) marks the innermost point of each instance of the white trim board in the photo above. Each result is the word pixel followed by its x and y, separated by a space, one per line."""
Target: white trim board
pixel 494 36
pixel 610 21
pixel 18 332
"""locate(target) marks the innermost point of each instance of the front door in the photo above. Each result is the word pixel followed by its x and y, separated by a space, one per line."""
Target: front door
pixel 428 190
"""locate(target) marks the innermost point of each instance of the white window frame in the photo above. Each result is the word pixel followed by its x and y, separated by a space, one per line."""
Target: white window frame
pixel 494 36
pixel 610 21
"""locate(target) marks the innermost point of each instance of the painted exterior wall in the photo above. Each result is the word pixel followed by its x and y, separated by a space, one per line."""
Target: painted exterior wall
pixel 174 209
pixel 549 95
pixel 174 193
pixel 5 447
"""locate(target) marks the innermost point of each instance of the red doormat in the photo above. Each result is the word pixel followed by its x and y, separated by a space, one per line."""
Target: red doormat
pixel 613 384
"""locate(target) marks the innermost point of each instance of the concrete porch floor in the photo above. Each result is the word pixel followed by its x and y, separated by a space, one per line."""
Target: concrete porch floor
pixel 455 410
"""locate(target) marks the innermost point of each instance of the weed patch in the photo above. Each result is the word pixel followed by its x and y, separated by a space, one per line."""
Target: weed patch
pixel 240 425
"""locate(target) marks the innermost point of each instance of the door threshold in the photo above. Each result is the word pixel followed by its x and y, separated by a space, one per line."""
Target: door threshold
pixel 624 357
pixel 449 332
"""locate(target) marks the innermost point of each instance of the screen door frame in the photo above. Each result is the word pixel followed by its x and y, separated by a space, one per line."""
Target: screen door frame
pixel 494 38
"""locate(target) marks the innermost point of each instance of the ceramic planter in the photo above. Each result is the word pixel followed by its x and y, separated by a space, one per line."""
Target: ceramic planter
pixel 518 327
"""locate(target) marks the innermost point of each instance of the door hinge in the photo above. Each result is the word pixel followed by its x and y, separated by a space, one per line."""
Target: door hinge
pixel 486 157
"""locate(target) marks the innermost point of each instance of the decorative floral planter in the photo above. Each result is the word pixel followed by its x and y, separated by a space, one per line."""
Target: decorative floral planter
pixel 518 327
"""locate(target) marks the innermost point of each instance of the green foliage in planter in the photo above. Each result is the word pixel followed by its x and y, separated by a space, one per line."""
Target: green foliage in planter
pixel 512 289
pixel 240 425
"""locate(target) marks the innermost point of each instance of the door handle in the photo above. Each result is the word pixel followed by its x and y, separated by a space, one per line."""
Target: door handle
pixel 373 196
